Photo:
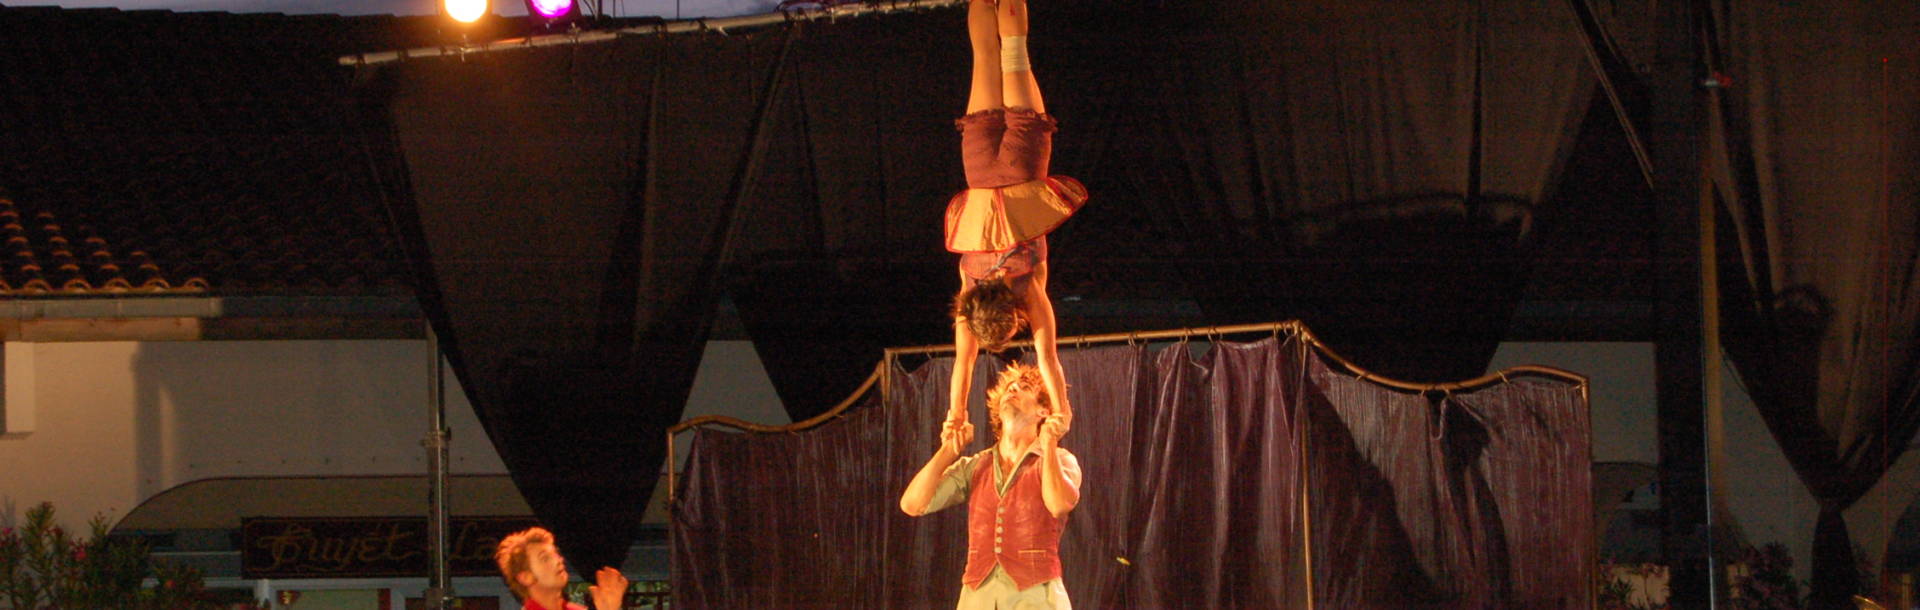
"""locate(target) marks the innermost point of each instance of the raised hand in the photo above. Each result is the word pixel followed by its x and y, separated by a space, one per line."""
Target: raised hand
pixel 1055 426
pixel 955 435
pixel 610 590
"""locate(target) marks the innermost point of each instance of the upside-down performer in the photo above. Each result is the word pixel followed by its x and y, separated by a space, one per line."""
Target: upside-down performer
pixel 999 224
pixel 1018 494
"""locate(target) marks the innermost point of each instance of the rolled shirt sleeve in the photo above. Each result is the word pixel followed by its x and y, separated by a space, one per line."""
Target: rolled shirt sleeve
pixel 1070 468
pixel 955 483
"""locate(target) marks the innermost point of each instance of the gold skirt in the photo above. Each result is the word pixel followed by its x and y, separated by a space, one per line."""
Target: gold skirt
pixel 996 219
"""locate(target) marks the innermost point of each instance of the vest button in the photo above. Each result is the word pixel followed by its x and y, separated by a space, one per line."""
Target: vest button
pixel 996 550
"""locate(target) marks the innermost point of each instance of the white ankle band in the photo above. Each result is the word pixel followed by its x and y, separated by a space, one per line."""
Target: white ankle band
pixel 1013 54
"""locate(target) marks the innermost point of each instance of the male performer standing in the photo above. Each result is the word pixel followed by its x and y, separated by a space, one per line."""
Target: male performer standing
pixel 1018 495
pixel 537 574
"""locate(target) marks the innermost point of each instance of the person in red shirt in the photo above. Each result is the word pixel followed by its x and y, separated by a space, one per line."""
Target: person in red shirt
pixel 537 574
pixel 1018 494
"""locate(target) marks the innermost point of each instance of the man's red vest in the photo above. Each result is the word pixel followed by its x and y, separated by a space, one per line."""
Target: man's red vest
pixel 1015 531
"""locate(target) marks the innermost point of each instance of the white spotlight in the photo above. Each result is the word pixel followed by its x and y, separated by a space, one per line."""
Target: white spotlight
pixel 466 11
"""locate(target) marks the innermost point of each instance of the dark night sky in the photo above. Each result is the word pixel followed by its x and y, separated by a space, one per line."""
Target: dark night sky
pixel 670 9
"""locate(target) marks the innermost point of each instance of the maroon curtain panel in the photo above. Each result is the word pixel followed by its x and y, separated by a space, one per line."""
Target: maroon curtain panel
pixel 1252 475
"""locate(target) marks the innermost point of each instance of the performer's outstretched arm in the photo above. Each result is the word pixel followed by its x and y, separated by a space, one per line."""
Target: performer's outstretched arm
pixel 966 349
pixel 1046 349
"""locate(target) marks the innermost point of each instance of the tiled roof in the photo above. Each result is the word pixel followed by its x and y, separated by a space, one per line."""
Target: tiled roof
pixel 42 257
pixel 153 152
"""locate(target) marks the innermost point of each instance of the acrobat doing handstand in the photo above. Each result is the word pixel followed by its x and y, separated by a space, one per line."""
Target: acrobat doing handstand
pixel 999 224
pixel 1020 491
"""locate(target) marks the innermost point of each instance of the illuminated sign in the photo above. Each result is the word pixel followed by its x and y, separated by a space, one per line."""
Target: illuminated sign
pixel 316 547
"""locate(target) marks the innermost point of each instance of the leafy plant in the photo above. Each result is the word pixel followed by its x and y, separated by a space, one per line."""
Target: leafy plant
pixel 1616 592
pixel 44 567
pixel 1767 583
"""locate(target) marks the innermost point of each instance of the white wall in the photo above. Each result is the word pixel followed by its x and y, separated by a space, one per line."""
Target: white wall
pixel 733 382
pixel 118 422
pixel 1620 391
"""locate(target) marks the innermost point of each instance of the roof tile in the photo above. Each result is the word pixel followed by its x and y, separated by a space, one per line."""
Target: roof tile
pixel 154 152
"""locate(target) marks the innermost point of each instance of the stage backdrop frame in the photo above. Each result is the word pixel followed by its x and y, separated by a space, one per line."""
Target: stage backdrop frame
pixel 1312 483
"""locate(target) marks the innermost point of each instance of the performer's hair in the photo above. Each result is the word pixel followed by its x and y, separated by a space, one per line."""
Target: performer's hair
pixel 1016 374
pixel 992 312
pixel 512 556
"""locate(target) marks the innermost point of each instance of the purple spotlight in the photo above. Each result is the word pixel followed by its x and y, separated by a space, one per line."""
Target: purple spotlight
pixel 551 9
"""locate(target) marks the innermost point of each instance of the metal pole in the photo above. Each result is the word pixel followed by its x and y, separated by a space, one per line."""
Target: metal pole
pixel 439 593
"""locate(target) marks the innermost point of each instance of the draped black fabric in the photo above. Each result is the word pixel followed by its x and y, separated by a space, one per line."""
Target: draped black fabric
pixel 580 210
pixel 843 255
pixel 1819 240
pixel 573 217
pixel 1316 144
pixel 1252 476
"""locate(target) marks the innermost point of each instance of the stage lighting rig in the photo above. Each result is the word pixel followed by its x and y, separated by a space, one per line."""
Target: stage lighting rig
pixel 552 14
pixel 465 11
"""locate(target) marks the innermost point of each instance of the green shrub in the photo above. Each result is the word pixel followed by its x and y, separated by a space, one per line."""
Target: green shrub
pixel 44 567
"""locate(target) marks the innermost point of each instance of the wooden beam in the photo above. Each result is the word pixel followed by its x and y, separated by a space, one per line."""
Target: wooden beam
pixel 70 330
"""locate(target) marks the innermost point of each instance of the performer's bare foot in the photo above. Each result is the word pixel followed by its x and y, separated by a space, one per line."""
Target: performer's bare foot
pixel 1012 15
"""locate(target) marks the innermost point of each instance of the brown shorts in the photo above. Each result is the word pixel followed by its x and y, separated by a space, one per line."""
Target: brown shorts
pixel 1000 147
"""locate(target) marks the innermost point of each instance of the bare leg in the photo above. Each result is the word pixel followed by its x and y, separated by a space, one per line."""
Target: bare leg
pixel 985 35
pixel 1020 88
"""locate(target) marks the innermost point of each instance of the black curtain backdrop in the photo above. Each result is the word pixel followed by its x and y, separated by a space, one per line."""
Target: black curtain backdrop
pixel 1197 470
pixel 574 206
pixel 1378 162
pixel 579 210
pixel 1819 246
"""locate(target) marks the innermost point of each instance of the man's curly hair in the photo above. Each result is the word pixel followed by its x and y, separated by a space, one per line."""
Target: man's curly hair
pixel 1016 375
pixel 512 556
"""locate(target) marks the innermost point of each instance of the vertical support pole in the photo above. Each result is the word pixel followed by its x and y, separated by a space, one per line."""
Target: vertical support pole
pixel 439 594
pixel 1711 383
pixel 1675 134
pixel 1303 431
